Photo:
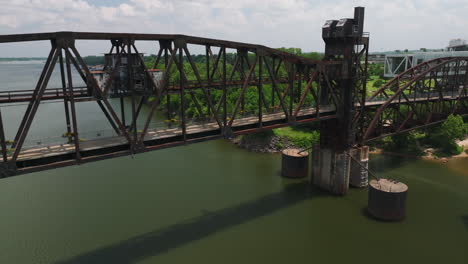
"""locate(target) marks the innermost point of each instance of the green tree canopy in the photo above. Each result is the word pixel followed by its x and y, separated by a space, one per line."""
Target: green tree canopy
pixel 453 128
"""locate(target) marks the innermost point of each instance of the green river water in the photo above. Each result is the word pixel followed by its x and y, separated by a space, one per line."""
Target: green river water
pixel 212 202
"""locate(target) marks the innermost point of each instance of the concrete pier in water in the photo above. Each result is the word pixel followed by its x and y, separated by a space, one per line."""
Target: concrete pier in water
pixel 335 171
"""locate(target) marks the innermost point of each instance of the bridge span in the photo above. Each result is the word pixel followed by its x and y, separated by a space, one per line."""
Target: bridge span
pixel 287 90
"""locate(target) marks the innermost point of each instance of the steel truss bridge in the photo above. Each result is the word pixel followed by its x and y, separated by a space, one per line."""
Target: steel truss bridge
pixel 300 90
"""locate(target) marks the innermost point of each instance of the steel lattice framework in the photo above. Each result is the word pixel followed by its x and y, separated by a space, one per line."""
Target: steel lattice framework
pixel 253 67
pixel 421 96
pixel 302 90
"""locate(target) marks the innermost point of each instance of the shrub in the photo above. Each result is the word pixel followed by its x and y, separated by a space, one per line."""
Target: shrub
pixel 444 137
pixel 279 145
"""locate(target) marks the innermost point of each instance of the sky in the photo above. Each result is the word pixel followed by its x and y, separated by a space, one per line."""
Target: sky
pixel 393 24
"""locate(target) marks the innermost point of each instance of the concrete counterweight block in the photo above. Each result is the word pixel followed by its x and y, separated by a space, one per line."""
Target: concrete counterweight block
pixel 330 170
pixel 387 199
pixel 294 164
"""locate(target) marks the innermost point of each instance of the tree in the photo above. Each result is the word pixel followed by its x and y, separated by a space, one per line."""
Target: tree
pixel 378 83
pixel 376 70
pixel 406 142
pixel 454 128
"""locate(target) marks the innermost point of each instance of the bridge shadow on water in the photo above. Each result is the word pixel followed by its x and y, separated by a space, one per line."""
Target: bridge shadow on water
pixel 465 220
pixel 163 240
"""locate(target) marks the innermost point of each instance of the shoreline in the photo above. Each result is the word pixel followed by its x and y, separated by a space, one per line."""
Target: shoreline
pixel 428 153
pixel 270 145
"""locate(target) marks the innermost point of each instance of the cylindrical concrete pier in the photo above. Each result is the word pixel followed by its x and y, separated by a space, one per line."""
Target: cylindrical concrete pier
pixel 294 164
pixel 387 199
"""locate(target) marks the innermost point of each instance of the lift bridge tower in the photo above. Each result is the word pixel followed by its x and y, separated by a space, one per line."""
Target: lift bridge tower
pixel 346 44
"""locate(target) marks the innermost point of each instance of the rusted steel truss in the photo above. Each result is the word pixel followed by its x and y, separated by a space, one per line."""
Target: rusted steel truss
pixel 294 84
pixel 287 89
pixel 419 97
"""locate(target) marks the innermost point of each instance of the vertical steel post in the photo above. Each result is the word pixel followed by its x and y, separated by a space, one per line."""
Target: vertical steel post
pixel 319 91
pixel 207 58
pixel 260 91
pixel 168 96
pixel 73 110
pixel 131 86
pixel 208 75
pixel 2 139
pixel 364 91
pixel 224 89
pixel 117 82
pixel 242 66
pixel 291 88
pixel 273 90
pixel 65 97
pixel 182 94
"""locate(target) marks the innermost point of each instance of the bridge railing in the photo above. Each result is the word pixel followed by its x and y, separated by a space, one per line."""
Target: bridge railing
pixel 418 95
pixel 12 95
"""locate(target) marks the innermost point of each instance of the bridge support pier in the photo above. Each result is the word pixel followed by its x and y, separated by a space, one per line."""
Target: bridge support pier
pixel 335 171
pixel 330 170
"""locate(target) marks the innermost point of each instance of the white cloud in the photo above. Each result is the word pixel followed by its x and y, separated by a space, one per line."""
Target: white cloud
pixel 127 10
pixel 293 23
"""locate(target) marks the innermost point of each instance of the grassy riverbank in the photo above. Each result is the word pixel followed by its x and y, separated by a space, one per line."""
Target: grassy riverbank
pixel 440 141
pixel 275 140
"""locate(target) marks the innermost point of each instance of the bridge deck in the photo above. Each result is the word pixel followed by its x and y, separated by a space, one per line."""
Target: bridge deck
pixel 158 134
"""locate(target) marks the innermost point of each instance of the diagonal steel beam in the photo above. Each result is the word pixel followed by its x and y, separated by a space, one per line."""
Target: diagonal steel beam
pixel 215 63
pixel 275 88
pixel 234 68
pixel 36 90
pixel 304 94
pixel 244 87
pixel 158 95
pixel 109 81
pixel 29 117
pixel 2 139
pixel 95 86
pixel 207 96
pixel 158 58
pixel 180 67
